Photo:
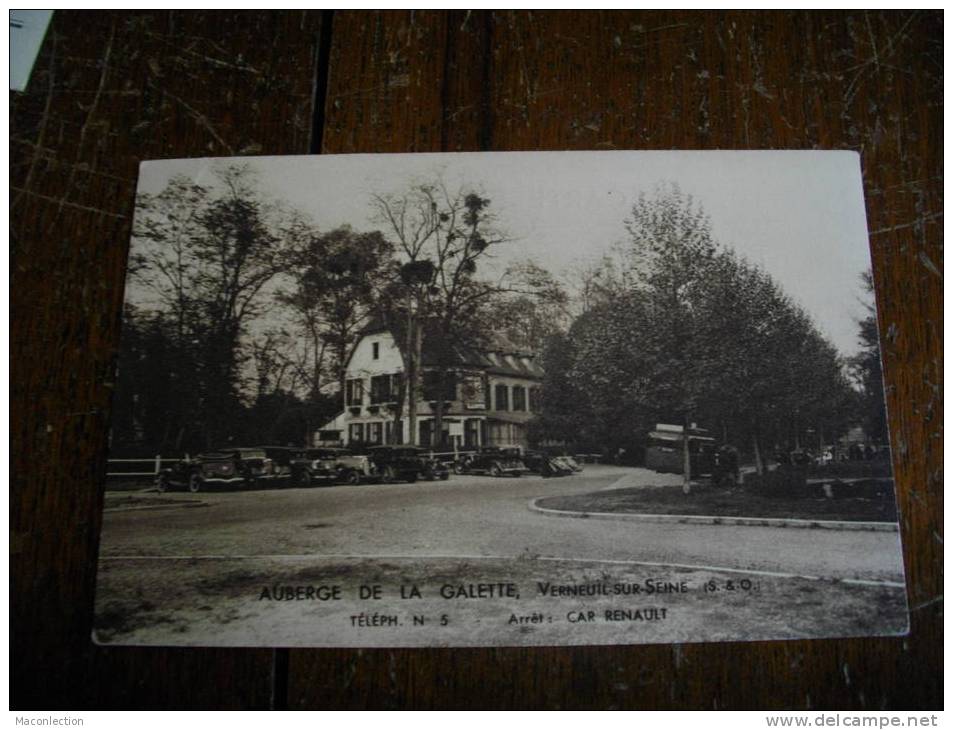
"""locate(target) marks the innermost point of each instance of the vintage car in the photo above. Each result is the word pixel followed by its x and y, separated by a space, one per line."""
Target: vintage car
pixel 497 461
pixel 327 465
pixel 539 462
pixel 535 461
pixel 394 463
pixel 355 468
pixel 283 460
pixel 552 467
pixel 238 467
pixel 431 468
pixel 567 462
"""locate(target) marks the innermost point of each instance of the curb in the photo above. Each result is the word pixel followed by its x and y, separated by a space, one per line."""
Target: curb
pixel 714 520
pixel 179 505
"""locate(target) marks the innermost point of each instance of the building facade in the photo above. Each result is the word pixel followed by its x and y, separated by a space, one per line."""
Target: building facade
pixel 489 397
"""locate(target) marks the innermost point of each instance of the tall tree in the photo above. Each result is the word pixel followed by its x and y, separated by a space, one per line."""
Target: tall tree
pixel 689 330
pixel 207 253
pixel 162 259
pixel 671 249
pixel 615 371
pixel 441 236
pixel 565 415
pixel 867 370
pixel 339 278
pixel 534 309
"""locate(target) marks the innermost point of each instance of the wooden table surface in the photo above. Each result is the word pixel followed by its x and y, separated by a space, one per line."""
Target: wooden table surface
pixel 113 88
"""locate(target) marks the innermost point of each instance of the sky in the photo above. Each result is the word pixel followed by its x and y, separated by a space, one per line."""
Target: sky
pixel 797 214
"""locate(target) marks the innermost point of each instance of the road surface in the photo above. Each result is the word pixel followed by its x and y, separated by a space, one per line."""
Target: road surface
pixel 475 516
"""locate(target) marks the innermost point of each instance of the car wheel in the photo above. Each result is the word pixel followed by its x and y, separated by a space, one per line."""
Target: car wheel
pixel 388 476
pixel 413 478
pixel 495 471
pixel 195 483
pixel 162 483
pixel 458 468
pixel 303 478
pixel 352 477
pixel 444 475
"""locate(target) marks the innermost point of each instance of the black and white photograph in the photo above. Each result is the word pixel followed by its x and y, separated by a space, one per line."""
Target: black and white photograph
pixel 499 399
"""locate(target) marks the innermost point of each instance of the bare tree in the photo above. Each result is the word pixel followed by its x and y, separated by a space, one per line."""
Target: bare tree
pixel 207 255
pixel 441 237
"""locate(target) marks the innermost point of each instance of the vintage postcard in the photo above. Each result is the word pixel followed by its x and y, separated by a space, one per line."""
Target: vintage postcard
pixel 499 399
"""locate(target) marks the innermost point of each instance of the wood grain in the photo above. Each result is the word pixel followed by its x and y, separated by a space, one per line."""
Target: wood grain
pixel 113 88
pixel 109 90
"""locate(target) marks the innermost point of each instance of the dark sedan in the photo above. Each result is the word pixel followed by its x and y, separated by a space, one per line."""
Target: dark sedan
pixel 395 463
pixel 497 461
pixel 325 465
pixel 238 467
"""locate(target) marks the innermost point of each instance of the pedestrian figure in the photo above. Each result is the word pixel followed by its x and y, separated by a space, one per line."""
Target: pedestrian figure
pixel 727 472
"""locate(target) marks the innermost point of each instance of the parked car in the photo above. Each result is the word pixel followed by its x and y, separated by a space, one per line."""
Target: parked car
pixel 539 462
pixel 394 463
pixel 283 460
pixel 240 467
pixel 432 469
pixel 568 462
pixel 497 461
pixel 535 461
pixel 355 468
pixel 554 467
pixel 327 465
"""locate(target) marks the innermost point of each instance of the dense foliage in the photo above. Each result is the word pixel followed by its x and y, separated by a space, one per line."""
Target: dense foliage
pixel 244 314
pixel 684 331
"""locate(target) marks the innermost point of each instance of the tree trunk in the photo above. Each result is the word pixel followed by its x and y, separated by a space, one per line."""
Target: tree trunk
pixel 758 462
pixel 410 391
pixel 414 385
pixel 438 411
pixel 686 462
pixel 316 374
pixel 397 433
pixel 341 355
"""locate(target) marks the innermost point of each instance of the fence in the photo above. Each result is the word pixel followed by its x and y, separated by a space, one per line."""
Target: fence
pixel 156 462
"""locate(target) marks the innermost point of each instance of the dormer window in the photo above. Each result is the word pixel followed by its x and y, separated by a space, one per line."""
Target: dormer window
pixel 376 348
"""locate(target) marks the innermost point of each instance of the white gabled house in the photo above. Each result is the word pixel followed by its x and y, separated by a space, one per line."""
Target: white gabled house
pixel 490 397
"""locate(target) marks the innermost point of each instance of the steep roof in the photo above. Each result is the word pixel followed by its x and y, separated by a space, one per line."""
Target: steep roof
pixel 499 357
